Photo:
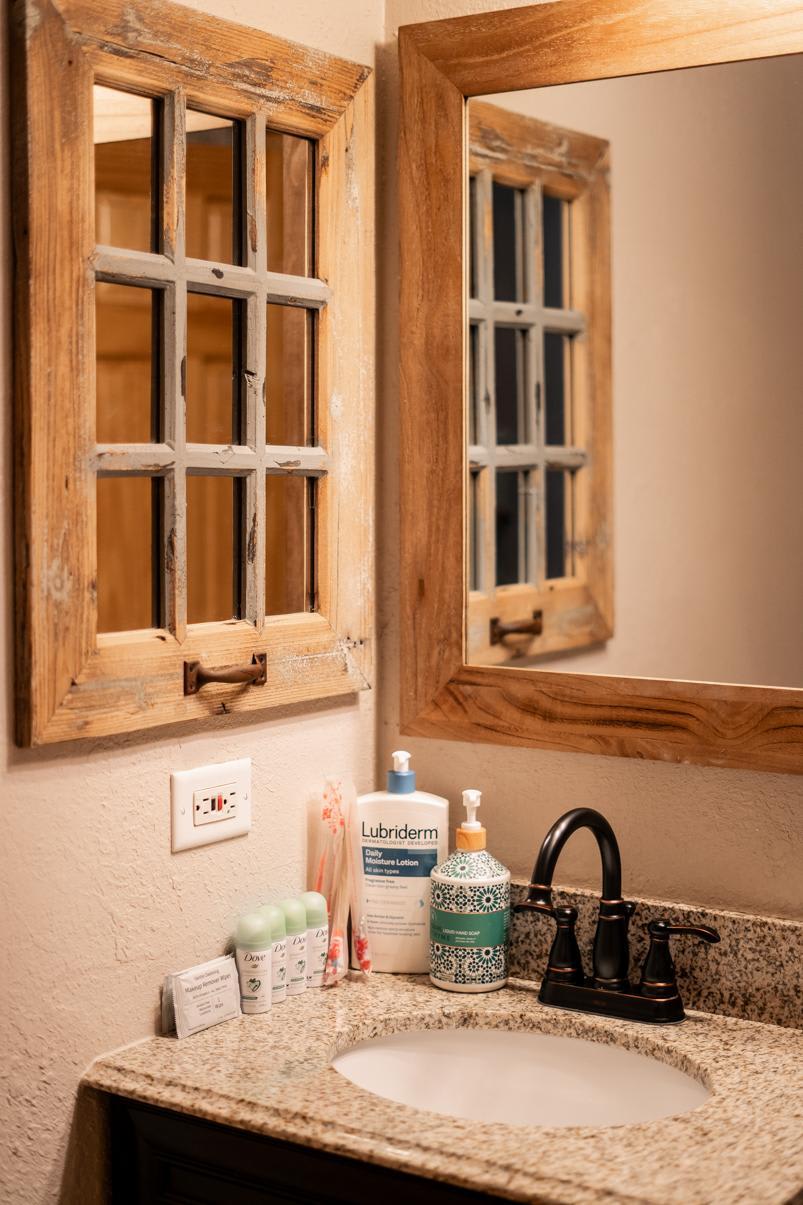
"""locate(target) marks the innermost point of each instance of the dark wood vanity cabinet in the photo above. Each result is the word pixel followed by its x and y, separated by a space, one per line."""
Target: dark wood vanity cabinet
pixel 165 1158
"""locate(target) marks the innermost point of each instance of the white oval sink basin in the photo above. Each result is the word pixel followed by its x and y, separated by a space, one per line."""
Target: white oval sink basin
pixel 519 1077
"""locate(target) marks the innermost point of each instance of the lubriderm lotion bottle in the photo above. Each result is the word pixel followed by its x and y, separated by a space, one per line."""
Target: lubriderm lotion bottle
pixel 400 835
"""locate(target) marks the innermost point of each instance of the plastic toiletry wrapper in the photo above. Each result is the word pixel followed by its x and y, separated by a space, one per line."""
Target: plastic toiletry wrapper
pixel 254 949
pixel 360 941
pixel 332 874
pixel 200 997
pixel 327 867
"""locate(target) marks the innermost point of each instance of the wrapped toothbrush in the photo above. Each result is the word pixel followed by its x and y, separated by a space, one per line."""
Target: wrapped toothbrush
pixel 359 924
pixel 333 874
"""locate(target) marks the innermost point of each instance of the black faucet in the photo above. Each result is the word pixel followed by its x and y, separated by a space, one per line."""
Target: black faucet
pixel 608 989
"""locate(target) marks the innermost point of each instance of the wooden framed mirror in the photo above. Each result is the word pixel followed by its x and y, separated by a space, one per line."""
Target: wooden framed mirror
pixel 512 504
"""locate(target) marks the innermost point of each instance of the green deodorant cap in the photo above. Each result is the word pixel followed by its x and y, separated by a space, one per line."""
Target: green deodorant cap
pixel 276 919
pixel 295 916
pixel 253 931
pixel 315 908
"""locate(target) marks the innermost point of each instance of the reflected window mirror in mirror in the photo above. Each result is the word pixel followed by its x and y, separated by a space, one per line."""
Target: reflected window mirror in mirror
pixel 538 387
pixel 683 511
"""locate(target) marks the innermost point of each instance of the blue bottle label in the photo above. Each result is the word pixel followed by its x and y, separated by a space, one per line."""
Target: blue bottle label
pixel 383 862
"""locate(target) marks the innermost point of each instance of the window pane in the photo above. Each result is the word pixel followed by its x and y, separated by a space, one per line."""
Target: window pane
pixel 507 528
pixel 127 342
pixel 509 377
pixel 128 522
pixel 557 363
pixel 213 226
pixel 507 240
pixel 288 540
pixel 214 333
pixel 289 203
pixel 213 548
pixel 553 215
pixel 558 518
pixel 288 381
pixel 124 141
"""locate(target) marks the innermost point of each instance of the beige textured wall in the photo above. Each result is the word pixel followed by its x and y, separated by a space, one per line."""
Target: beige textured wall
pixel 732 839
pixel 95 908
pixel 708 377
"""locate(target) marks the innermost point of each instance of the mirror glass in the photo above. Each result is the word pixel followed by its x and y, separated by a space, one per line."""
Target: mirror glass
pixel 124 128
pixel 213 188
pixel 635 376
pixel 132 348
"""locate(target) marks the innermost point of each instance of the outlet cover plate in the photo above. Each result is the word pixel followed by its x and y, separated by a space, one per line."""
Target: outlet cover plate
pixel 223 777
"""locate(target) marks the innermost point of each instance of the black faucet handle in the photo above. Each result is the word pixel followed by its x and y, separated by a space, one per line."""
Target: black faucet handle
pixel 565 964
pixel 539 899
pixel 664 929
pixel 658 973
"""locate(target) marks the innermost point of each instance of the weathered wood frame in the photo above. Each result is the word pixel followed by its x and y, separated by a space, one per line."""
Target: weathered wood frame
pixel 70 682
pixel 442 64
pixel 577 609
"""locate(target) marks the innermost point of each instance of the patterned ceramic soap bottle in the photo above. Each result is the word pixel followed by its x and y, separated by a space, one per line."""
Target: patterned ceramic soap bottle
pixel 469 913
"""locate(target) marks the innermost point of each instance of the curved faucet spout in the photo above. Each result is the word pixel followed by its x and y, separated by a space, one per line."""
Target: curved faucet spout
pixel 541 886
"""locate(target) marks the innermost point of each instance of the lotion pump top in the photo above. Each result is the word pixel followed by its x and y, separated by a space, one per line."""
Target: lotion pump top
pixel 401 779
pixel 471 834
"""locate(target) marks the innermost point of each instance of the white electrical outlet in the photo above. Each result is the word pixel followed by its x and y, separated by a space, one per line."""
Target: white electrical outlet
pixel 211 803
pixel 214 804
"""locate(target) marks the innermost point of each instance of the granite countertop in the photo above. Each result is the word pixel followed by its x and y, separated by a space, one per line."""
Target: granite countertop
pixel 270 1074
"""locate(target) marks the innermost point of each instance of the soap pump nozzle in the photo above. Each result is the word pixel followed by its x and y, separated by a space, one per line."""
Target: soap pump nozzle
pixel 471 834
pixel 471 802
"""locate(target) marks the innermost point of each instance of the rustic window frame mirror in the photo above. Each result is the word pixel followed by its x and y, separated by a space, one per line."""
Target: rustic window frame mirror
pixel 72 681
pixel 443 64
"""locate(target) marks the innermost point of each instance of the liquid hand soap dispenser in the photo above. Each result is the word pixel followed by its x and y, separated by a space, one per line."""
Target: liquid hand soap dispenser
pixel 469 912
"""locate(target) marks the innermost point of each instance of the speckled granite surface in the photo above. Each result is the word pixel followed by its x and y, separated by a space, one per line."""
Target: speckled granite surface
pixel 271 1074
pixel 755 972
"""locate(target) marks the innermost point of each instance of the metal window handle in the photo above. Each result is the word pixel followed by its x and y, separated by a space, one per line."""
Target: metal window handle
pixel 517 627
pixel 197 675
